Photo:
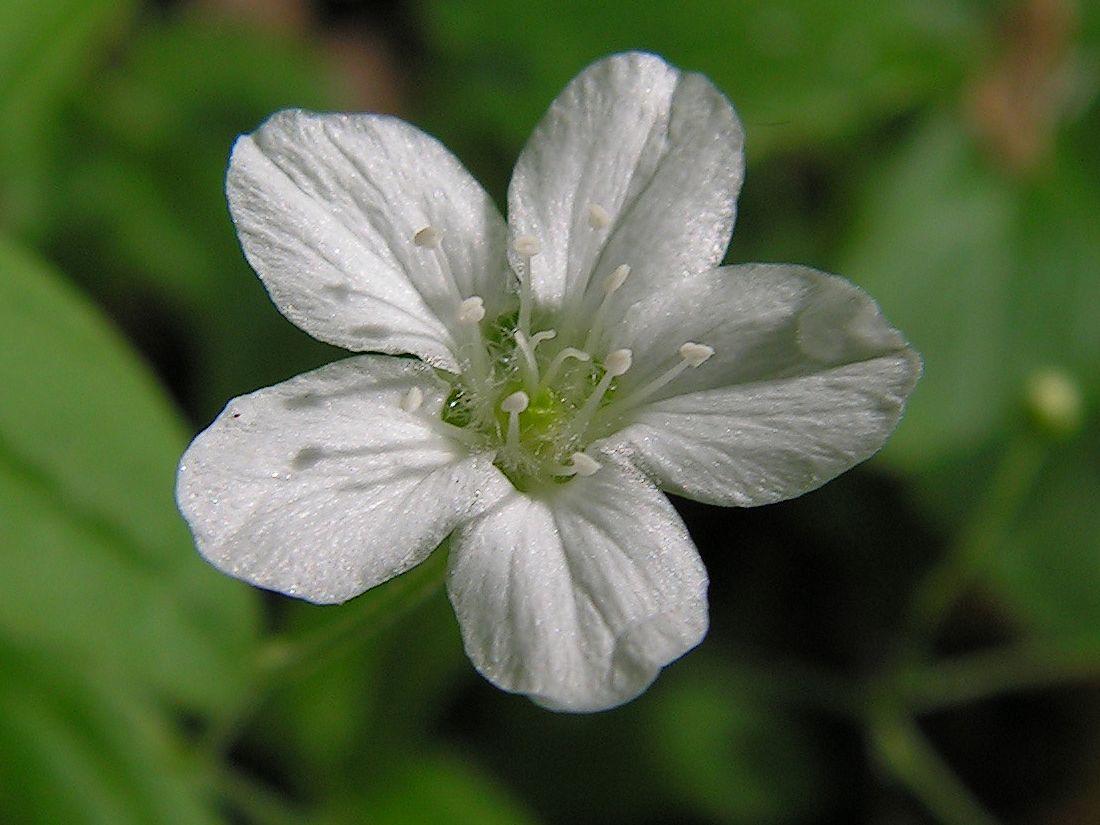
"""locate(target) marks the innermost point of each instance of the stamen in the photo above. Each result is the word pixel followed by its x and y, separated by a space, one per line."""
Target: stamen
pixel 581 464
pixel 618 362
pixel 471 311
pixel 428 236
pixel 469 315
pixel 615 364
pixel 527 247
pixel 598 217
pixel 514 404
pixel 611 285
pixel 691 355
pixel 695 354
pixel 559 359
pixel 412 400
pixel 530 365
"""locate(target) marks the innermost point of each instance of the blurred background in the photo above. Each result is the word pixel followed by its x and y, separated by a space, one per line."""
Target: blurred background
pixel 917 642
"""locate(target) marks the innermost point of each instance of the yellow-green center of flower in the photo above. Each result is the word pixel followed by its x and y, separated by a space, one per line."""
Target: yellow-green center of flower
pixel 534 399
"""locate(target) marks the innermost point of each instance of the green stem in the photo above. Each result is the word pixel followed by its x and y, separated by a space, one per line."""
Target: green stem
pixel 285 660
pixel 913 762
pixel 973 677
pixel 992 518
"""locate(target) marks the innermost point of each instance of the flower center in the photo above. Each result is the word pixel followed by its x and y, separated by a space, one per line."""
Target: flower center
pixel 538 400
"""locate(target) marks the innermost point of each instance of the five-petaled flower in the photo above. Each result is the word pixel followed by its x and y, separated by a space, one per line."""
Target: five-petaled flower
pixel 568 364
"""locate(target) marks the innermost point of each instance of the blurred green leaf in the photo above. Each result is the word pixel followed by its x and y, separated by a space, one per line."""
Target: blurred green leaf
pixel 385 683
pixel 796 70
pixel 432 787
pixel 935 248
pixel 144 198
pixel 1049 563
pixel 732 757
pixel 163 119
pixel 1056 286
pixel 990 277
pixel 98 563
pixel 47 49
pixel 77 747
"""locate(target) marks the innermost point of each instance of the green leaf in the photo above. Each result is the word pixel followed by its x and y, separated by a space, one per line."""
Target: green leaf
pixel 47 49
pixel 77 747
pixel 149 200
pixel 383 679
pixel 433 787
pixel 935 250
pixel 796 70
pixel 990 277
pixel 98 563
pixel 144 192
pixel 732 757
pixel 1048 565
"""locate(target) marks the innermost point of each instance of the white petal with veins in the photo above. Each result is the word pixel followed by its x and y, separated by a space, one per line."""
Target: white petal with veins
pixel 579 598
pixel 335 213
pixel 324 486
pixel 807 379
pixel 660 153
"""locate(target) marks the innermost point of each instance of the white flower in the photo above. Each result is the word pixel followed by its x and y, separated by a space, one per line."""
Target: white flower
pixel 568 364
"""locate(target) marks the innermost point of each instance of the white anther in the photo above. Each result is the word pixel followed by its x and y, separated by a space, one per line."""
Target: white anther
pixel 616 279
pixel 428 236
pixel 691 355
pixel 515 403
pixel 598 217
pixel 584 464
pixel 527 245
pixel 412 400
pixel 695 354
pixel 471 311
pixel 618 362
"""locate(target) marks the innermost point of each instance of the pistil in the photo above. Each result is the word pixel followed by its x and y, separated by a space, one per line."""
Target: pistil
pixel 559 360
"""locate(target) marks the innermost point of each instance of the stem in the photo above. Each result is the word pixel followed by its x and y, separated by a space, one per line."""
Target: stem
pixel 911 759
pixel 281 661
pixel 955 574
pixel 974 677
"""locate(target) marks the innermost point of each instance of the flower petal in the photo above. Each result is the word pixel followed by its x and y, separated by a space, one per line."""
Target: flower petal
pixel 656 153
pixel 578 598
pixel 328 209
pixel 807 380
pixel 324 486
